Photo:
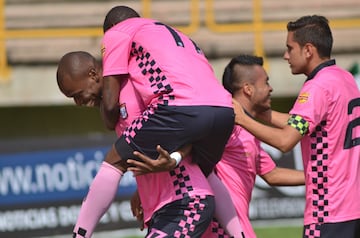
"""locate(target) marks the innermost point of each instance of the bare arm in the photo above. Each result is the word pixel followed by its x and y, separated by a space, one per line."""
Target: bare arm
pixel 137 209
pixel 284 177
pixel 284 138
pixel 109 107
pixel 274 118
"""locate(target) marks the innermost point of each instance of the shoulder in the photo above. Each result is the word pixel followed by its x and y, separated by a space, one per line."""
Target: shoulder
pixel 130 25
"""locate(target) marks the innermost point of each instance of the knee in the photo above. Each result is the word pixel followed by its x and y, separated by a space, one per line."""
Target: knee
pixel 113 158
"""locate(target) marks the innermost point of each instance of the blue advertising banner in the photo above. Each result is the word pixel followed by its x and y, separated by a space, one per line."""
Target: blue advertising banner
pixel 51 176
pixel 41 192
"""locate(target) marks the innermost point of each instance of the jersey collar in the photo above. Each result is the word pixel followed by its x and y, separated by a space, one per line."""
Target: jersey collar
pixel 320 67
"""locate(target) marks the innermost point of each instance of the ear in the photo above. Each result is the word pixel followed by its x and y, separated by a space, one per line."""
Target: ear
pixel 309 50
pixel 93 74
pixel 247 89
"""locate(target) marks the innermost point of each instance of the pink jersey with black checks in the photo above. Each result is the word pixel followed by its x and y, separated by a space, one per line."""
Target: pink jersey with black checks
pixel 242 160
pixel 166 67
pixel 329 106
pixel 159 189
pixel 131 106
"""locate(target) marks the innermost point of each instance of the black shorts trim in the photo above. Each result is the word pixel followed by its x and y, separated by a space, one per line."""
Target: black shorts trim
pixel 346 229
pixel 189 217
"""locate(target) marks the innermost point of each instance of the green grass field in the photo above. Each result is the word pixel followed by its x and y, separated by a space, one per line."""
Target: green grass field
pixel 270 232
pixel 282 230
pixel 279 232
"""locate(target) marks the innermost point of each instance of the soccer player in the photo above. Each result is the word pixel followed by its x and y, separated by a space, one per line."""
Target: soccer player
pixel 185 103
pixel 174 85
pixel 243 158
pixel 79 76
pixel 175 203
pixel 326 119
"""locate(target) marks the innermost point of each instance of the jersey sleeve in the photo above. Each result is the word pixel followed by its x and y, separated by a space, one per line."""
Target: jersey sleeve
pixel 264 162
pixel 116 47
pixel 309 109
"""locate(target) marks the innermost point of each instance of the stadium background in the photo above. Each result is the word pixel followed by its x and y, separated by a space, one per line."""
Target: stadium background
pixel 50 149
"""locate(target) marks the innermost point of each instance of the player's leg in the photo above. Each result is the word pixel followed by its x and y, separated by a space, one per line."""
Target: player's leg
pixel 225 211
pixel 156 126
pixel 138 136
pixel 207 151
pixel 188 217
pixel 106 183
pixel 101 193
pixel 206 128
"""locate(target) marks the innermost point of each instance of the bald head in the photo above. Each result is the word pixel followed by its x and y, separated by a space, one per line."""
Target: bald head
pixel 74 66
pixel 79 76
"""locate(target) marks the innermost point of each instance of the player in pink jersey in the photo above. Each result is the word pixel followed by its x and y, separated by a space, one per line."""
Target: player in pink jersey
pixel 174 85
pixel 174 82
pixel 326 119
pixel 245 78
pixel 175 203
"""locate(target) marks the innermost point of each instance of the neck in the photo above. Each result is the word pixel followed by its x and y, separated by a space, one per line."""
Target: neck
pixel 314 64
pixel 245 103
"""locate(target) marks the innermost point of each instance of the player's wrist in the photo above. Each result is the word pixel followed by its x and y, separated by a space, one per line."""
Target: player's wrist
pixel 177 157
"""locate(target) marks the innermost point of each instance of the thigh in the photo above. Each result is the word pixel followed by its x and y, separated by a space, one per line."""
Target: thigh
pixel 208 149
pixel 188 217
pixel 206 128
pixel 160 126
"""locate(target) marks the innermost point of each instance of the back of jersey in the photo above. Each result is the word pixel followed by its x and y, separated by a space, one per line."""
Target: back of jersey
pixel 167 67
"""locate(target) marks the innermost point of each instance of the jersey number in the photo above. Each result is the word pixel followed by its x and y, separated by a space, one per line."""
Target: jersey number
pixel 177 38
pixel 349 140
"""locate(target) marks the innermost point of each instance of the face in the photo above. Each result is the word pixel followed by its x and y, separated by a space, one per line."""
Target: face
pixel 295 55
pixel 261 97
pixel 85 90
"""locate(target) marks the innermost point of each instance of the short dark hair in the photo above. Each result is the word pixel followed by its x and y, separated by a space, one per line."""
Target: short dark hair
pixel 231 80
pixel 315 30
pixel 118 14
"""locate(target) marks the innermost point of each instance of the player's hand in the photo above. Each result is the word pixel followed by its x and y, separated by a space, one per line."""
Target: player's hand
pixel 147 165
pixel 137 209
pixel 239 112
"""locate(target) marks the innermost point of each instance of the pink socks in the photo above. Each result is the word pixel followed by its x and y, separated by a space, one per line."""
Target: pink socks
pixel 225 211
pixel 99 198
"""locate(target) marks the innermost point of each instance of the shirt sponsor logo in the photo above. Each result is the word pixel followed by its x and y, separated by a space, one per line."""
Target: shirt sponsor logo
pixel 303 97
